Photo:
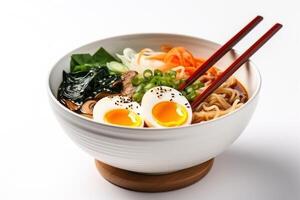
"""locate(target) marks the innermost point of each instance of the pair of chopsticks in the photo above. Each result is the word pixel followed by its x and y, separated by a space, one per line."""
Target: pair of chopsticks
pixel 234 66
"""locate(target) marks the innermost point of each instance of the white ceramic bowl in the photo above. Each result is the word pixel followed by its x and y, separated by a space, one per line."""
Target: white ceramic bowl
pixel 155 150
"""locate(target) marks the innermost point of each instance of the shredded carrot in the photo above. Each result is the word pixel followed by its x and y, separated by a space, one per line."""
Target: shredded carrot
pixel 177 56
pixel 166 47
pixel 160 56
pixel 190 70
pixel 166 67
pixel 200 60
pixel 213 70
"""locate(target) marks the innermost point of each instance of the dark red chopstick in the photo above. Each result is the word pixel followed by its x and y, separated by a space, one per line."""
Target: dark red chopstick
pixel 235 65
pixel 220 52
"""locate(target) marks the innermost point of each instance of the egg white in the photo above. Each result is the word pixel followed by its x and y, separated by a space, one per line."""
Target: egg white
pixel 107 104
pixel 159 94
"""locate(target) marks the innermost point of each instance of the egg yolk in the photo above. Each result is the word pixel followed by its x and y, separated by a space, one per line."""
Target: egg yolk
pixel 169 114
pixel 123 117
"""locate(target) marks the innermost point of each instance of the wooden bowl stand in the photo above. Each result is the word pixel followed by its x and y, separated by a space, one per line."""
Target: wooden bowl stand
pixel 153 183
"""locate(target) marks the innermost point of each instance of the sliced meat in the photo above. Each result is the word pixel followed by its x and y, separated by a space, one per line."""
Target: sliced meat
pixel 71 105
pixel 128 88
pixel 88 106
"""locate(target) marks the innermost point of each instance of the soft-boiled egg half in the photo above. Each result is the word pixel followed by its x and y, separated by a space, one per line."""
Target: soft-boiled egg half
pixel 118 110
pixel 166 107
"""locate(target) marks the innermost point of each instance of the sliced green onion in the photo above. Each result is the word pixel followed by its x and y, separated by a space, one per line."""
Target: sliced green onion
pixel 172 74
pixel 140 88
pixel 155 80
pixel 136 81
pixel 157 72
pixel 197 84
pixel 147 74
pixel 137 96
pixel 149 86
pixel 189 89
pixel 176 84
pixel 163 82
pixel 83 67
pixel 149 79
pixel 117 67
pixel 181 81
pixel 191 96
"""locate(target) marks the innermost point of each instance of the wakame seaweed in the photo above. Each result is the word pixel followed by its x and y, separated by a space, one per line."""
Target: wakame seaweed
pixel 79 86
pixel 84 62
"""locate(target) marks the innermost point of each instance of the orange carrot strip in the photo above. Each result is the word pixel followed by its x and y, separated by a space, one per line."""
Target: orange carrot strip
pixel 213 70
pixel 160 56
pixel 200 60
pixel 165 47
pixel 190 70
pixel 166 67
pixel 179 56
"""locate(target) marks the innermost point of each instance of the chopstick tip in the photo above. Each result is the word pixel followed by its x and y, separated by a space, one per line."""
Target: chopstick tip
pixel 279 25
pixel 260 17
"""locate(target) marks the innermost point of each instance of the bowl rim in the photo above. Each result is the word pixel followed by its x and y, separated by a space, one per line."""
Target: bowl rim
pixel 54 99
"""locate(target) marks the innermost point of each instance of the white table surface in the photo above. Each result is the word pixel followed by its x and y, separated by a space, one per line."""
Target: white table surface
pixel 38 161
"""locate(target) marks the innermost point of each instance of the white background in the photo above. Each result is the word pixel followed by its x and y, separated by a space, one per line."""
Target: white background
pixel 38 161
